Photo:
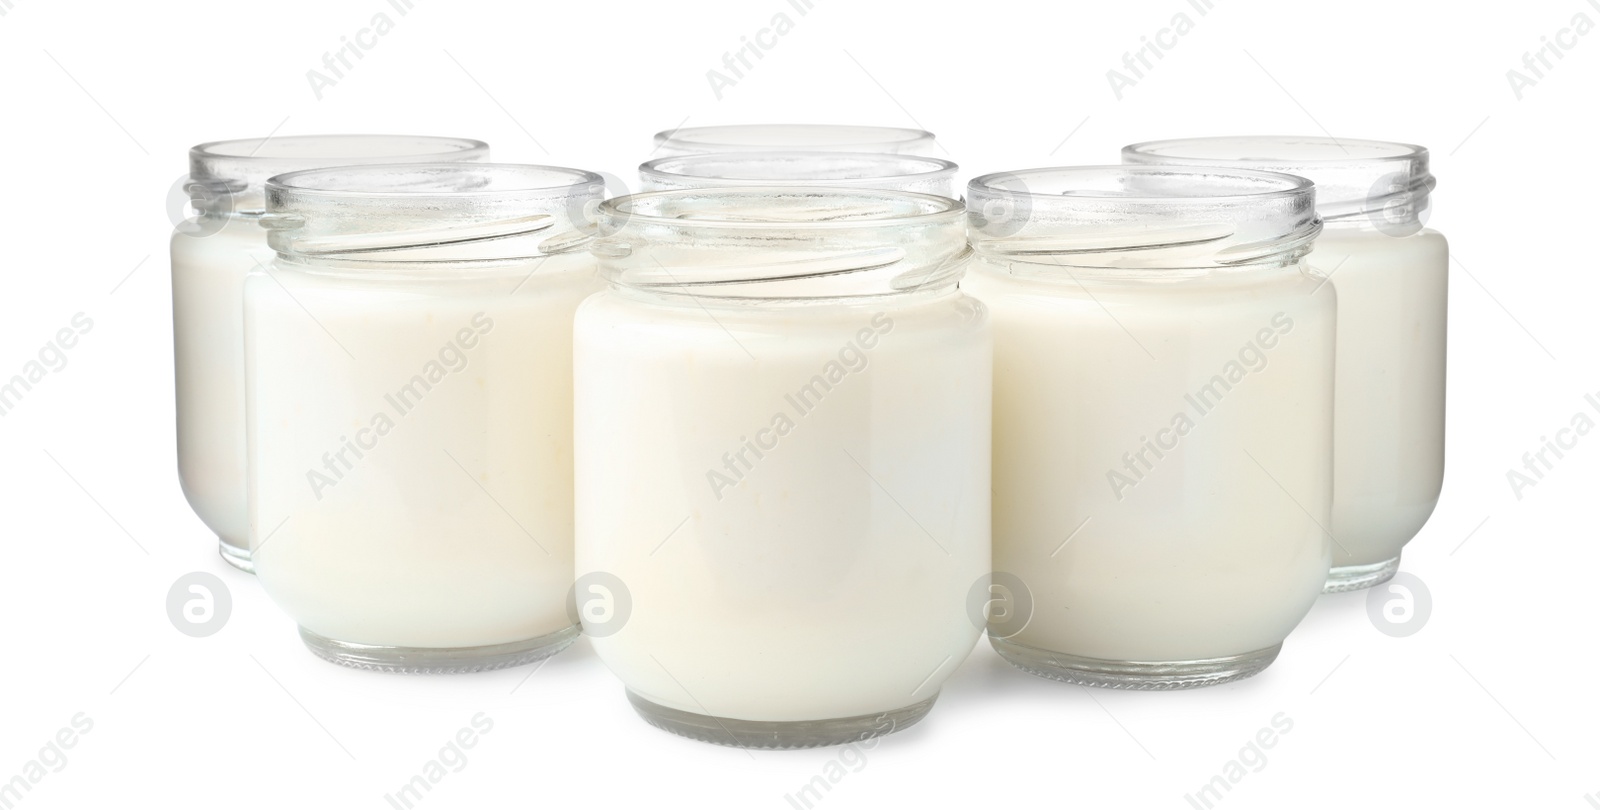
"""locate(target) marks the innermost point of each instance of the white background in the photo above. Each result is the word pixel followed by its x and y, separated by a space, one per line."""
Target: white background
pixel 1491 704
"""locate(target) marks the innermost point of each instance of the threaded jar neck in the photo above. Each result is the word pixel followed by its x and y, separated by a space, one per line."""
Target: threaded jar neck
pixel 782 243
pixel 1142 217
pixel 230 176
pixel 1386 183
pixel 421 217
pixel 923 175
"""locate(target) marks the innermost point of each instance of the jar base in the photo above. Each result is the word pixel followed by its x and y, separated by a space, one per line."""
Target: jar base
pixel 776 733
pixel 1137 675
pixel 1355 577
pixel 236 556
pixel 439 660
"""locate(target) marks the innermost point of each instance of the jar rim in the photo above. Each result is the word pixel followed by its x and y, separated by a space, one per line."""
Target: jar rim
pixel 1308 150
pixel 431 215
pixel 782 243
pixel 416 181
pixel 766 137
pixel 1354 176
pixel 1220 185
pixel 856 168
pixel 348 148
pixel 1150 217
pixel 638 208
pixel 228 177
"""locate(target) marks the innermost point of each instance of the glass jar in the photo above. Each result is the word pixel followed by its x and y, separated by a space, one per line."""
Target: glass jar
pixel 1391 275
pixel 924 175
pixel 1163 418
pixel 782 428
pixel 409 420
pixel 794 137
pixel 211 253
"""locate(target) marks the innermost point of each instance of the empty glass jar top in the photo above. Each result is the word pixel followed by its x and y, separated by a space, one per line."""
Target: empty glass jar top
pixel 430 214
pixel 925 175
pixel 1354 178
pixel 781 243
pixel 804 137
pixel 1142 217
pixel 228 176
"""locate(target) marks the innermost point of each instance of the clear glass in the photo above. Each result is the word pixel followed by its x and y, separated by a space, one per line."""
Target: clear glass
pixel 211 254
pixel 924 175
pixel 794 137
pixel 783 457
pixel 1163 395
pixel 409 419
pixel 1391 275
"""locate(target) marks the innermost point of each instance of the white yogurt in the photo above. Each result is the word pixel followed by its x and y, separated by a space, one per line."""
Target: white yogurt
pixel 1391 275
pixel 1183 498
pixel 1163 419
pixel 823 573
pixel 410 411
pixel 1389 394
pixel 208 274
pixel 211 254
pixel 419 493
pixel 793 492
